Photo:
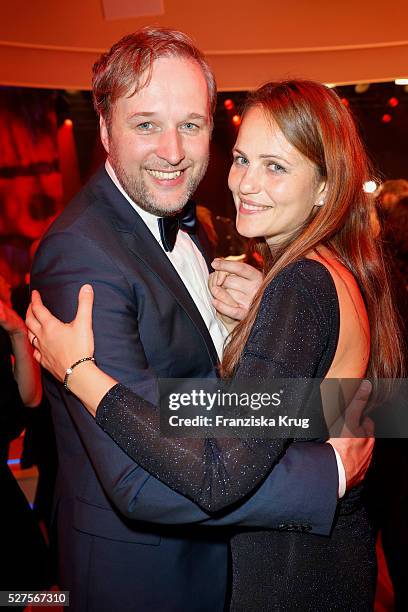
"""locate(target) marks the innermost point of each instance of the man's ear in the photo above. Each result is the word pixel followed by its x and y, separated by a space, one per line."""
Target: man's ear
pixel 104 133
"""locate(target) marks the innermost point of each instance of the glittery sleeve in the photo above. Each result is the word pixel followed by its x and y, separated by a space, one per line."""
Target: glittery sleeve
pixel 294 335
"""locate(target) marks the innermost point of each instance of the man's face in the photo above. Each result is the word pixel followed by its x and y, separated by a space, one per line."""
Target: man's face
pixel 158 141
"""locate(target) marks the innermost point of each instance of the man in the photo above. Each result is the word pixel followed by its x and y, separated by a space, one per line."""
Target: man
pixel 153 317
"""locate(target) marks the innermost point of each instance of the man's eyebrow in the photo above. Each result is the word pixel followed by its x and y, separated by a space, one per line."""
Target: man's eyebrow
pixel 140 114
pixel 150 114
pixel 197 116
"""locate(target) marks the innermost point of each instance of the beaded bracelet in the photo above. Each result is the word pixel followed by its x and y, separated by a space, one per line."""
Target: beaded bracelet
pixel 74 365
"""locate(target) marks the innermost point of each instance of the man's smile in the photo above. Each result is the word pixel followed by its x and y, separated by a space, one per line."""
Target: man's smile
pixel 166 176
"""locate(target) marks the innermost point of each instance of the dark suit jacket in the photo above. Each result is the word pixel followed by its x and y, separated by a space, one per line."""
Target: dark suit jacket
pixel 128 542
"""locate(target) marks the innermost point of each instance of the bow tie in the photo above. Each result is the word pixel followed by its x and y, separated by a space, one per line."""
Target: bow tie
pixel 169 226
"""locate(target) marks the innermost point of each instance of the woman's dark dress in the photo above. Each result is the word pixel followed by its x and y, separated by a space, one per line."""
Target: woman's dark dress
pixel 295 335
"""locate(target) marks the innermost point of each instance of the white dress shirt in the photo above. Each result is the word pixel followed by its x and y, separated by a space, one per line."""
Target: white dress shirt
pixel 192 269
pixel 190 266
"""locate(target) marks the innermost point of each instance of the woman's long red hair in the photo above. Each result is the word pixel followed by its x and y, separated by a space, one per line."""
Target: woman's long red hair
pixel 315 121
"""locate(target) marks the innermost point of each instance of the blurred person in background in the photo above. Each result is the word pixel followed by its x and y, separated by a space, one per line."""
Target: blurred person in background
pixel 387 489
pixel 39 446
pixel 391 192
pixel 395 239
pixel 23 547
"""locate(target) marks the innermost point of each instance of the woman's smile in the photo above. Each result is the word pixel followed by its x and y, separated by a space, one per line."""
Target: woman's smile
pixel 246 207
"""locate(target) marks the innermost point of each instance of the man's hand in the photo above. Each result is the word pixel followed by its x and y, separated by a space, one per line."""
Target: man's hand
pixel 58 345
pixel 355 446
pixel 233 286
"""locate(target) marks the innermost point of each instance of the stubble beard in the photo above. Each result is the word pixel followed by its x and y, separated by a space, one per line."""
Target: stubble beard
pixel 138 192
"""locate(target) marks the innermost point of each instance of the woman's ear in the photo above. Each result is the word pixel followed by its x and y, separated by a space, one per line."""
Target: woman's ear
pixel 321 195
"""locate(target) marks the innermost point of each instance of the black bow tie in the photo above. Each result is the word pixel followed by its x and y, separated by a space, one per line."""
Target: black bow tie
pixel 169 226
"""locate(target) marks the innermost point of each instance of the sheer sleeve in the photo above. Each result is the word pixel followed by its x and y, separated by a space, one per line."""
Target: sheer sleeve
pixel 290 338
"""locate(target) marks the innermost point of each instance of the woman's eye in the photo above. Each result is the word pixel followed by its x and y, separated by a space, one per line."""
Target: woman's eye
pixel 190 126
pixel 276 168
pixel 240 160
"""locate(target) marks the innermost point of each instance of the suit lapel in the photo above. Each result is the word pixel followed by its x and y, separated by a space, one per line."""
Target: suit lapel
pixel 140 241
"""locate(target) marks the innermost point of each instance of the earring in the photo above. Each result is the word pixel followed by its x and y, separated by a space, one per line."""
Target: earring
pixel 320 202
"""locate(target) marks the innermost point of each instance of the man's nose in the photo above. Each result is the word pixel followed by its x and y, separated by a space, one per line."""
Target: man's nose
pixel 170 147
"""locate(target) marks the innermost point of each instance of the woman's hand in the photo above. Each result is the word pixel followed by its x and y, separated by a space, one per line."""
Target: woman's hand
pixel 58 345
pixel 233 286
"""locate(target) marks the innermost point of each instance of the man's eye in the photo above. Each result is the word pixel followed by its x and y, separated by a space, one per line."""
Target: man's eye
pixel 190 126
pixel 145 126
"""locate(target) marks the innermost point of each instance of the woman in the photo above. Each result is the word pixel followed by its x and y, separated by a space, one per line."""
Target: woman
pixel 296 180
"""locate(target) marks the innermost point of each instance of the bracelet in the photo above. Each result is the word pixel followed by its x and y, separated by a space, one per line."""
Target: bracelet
pixel 74 365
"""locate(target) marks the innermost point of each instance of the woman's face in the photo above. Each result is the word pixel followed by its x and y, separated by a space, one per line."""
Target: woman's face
pixel 274 187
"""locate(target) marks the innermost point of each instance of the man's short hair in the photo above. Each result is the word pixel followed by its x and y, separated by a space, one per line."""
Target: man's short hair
pixel 127 66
